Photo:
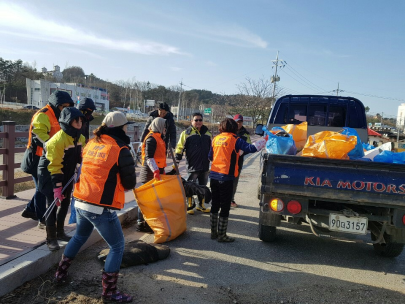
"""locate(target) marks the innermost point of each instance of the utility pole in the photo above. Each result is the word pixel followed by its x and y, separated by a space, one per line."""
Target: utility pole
pixel 398 126
pixel 278 63
pixel 178 108
pixel 337 91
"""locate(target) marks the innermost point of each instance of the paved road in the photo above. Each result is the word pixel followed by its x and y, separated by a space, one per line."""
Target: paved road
pixel 297 268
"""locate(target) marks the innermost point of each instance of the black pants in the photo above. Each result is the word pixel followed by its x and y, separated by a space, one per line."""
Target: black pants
pixel 221 196
pixel 58 214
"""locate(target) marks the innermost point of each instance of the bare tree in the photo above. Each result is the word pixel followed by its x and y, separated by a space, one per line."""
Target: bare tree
pixel 254 99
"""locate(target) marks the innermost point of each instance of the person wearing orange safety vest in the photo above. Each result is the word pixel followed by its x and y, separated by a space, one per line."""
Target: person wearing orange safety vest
pixel 44 125
pixel 108 169
pixel 153 160
pixel 224 154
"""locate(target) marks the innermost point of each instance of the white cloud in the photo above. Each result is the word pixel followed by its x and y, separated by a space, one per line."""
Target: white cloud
pixel 16 21
pixel 176 69
pixel 80 51
pixel 210 63
pixel 235 35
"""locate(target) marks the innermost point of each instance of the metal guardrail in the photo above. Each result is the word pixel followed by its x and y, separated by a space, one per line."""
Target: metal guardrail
pixel 9 136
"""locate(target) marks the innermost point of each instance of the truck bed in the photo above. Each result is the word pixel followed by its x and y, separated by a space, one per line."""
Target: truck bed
pixel 359 182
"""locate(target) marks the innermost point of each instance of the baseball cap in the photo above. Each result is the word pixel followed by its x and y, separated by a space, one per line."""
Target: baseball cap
pixel 238 117
pixel 116 119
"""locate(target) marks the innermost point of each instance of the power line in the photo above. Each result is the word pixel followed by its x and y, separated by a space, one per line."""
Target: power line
pixel 376 96
pixel 304 78
pixel 297 80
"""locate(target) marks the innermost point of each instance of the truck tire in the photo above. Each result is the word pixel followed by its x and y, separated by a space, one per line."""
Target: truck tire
pixel 267 233
pixel 389 249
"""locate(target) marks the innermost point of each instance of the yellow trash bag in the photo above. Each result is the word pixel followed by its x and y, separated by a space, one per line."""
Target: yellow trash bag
pixel 299 133
pixel 163 204
pixel 328 144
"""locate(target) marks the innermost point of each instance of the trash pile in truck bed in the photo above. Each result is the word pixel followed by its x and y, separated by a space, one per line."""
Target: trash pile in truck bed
pixel 293 140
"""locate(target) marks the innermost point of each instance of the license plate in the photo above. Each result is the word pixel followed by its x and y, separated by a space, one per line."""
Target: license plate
pixel 353 224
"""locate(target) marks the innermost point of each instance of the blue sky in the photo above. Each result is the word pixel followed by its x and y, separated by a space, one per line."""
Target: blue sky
pixel 215 45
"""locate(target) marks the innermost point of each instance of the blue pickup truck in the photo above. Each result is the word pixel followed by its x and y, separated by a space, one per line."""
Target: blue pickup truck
pixel 336 198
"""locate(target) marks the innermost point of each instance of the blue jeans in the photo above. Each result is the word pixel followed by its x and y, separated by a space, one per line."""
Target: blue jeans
pixel 108 226
pixel 38 201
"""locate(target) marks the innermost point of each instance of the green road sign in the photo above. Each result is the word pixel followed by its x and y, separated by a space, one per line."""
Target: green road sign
pixel 207 111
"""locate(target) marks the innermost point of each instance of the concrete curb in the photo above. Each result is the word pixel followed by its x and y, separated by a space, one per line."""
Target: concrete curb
pixel 38 261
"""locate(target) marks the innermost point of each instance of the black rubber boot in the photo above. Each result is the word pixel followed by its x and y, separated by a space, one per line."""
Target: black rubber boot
pixel 110 292
pixel 222 226
pixel 51 239
pixel 62 274
pixel 143 227
pixel 214 225
pixel 60 233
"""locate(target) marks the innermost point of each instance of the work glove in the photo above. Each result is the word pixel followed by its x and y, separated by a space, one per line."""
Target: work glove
pixel 57 194
pixel 156 174
pixel 260 144
pixel 179 157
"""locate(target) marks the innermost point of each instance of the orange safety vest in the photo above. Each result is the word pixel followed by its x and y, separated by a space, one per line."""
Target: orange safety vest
pixel 225 157
pixel 98 160
pixel 55 127
pixel 160 153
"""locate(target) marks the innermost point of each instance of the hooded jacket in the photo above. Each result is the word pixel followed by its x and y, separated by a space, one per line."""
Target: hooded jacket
pixel 170 136
pixel 87 107
pixel 244 134
pixel 197 145
pixel 63 152
pixel 42 129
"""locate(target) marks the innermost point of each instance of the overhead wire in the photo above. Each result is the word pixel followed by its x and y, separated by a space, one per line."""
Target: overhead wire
pixel 305 85
pixel 376 96
pixel 304 78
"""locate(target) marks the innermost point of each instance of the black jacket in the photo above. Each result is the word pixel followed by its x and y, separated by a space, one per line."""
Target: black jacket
pixel 126 164
pixel 170 128
pixel 244 134
pixel 196 145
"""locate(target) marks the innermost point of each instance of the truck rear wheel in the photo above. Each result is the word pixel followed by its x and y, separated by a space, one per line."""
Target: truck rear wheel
pixel 267 233
pixel 389 249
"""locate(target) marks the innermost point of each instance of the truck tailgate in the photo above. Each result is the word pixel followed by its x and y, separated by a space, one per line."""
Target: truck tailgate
pixel 369 183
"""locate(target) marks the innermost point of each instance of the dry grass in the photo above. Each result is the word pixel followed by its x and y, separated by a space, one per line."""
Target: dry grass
pixel 20 186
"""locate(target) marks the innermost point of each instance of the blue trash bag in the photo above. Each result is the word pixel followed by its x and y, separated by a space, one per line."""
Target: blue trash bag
pixel 358 151
pixel 72 218
pixel 280 144
pixel 368 147
pixel 390 157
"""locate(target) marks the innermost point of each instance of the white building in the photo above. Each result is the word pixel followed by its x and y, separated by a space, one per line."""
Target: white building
pixel 38 92
pixel 56 73
pixel 401 116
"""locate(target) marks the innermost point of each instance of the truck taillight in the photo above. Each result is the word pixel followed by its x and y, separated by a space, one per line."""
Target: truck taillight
pixel 294 207
pixel 403 220
pixel 277 205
